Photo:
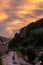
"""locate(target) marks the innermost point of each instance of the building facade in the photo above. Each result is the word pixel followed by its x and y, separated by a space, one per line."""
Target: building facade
pixel 3 47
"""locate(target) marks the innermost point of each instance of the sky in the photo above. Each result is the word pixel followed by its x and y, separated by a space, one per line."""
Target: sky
pixel 15 14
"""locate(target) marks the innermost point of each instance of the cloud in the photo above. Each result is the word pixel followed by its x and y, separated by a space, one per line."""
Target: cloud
pixel 29 16
pixel 11 31
pixel 41 5
pixel 13 26
pixel 36 1
pixel 38 12
pixel 3 16
pixel 15 14
pixel 15 23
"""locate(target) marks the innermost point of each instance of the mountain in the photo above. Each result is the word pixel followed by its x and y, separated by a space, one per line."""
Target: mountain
pixel 21 38
pixel 4 39
pixel 34 25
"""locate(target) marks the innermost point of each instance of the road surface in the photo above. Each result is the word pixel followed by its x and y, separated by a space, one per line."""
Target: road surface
pixel 7 59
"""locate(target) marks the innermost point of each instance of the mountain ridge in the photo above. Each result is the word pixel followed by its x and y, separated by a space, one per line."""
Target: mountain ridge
pixel 4 39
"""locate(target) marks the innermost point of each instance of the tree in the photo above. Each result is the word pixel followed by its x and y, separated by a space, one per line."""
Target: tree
pixel 37 37
pixel 0 54
pixel 31 54
pixel 22 50
pixel 14 42
pixel 0 59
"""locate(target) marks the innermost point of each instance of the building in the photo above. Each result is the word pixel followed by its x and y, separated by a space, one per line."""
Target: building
pixel 3 47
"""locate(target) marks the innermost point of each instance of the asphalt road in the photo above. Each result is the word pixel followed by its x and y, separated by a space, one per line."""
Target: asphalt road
pixel 7 59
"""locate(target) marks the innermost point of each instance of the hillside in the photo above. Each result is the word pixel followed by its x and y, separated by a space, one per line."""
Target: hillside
pixel 25 37
pixel 34 25
pixel 4 39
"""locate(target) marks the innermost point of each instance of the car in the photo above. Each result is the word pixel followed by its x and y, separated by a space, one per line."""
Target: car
pixel 13 58
pixel 14 62
pixel 20 63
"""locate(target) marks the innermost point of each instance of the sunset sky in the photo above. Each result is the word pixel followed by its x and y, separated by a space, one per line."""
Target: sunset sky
pixel 15 14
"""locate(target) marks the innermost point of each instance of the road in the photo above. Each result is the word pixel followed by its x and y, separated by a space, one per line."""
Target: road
pixel 7 59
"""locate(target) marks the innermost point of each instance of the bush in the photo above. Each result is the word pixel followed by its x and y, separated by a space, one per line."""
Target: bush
pixel 0 54
pixel 22 50
pixel 31 53
pixel 0 61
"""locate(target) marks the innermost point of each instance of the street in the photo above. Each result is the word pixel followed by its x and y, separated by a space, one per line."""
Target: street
pixel 8 59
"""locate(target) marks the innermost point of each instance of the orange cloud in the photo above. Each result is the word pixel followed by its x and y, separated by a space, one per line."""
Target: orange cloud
pixel 9 30
pixel 13 26
pixel 19 13
pixel 5 3
pixel 15 23
pixel 36 1
pixel 3 16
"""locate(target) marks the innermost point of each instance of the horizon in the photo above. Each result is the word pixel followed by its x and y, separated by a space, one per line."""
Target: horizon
pixel 15 14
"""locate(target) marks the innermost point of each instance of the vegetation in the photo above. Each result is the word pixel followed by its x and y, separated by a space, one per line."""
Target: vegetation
pixel 22 50
pixel 31 35
pixel 31 53
pixel 35 40
pixel 36 37
pixel 0 54
pixel 0 59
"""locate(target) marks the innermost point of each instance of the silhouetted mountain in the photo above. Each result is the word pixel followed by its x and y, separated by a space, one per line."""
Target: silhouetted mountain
pixel 34 25
pixel 21 38
pixel 37 24
pixel 4 39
